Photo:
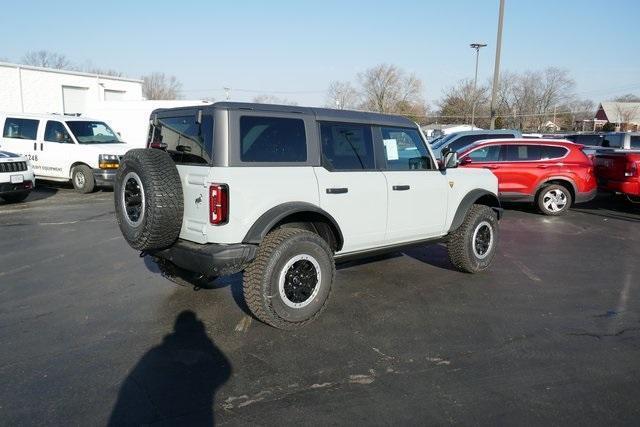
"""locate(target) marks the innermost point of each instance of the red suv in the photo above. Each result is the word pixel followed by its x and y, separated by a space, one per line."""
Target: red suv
pixel 550 173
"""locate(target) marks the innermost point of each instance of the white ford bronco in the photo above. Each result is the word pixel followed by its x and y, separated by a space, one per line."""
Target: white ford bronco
pixel 283 192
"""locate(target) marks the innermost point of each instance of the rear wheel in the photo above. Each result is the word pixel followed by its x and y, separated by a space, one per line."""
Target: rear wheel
pixel 82 178
pixel 554 200
pixel 288 283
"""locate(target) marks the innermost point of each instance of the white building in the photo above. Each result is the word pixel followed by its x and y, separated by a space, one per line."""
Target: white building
pixel 30 89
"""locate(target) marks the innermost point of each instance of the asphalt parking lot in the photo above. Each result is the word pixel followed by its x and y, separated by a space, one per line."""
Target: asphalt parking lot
pixel 92 334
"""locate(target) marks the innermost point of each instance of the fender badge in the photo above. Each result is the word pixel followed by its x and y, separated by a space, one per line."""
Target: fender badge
pixel 199 200
pixel 451 184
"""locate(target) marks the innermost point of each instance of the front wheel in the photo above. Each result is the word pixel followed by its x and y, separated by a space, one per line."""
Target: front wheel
pixel 472 246
pixel 288 283
pixel 82 178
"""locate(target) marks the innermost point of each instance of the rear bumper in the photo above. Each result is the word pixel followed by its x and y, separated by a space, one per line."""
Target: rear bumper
pixel 631 188
pixel 104 177
pixel 209 259
pixel 8 188
pixel 586 196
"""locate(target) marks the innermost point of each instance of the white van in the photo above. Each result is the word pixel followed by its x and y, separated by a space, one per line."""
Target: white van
pixel 63 148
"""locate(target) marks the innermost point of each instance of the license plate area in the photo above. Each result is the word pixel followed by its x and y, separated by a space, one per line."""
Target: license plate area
pixel 17 179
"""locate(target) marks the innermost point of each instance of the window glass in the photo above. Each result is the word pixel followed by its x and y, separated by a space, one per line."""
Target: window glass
pixel 522 153
pixel 186 140
pixel 404 150
pixel 347 146
pixel 549 152
pixel 89 132
pixel 56 132
pixel 467 140
pixel 486 154
pixel 272 139
pixel 20 128
pixel 592 140
pixel 635 141
pixel 613 141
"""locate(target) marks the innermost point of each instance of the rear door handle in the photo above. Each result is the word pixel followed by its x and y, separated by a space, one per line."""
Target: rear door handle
pixel 340 190
pixel 490 167
pixel 35 146
pixel 543 166
pixel 41 146
pixel 401 187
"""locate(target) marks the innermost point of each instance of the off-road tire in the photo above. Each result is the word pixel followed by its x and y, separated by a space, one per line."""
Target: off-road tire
pixel 461 241
pixel 160 221
pixel 261 278
pixel 15 197
pixel 85 185
pixel 544 190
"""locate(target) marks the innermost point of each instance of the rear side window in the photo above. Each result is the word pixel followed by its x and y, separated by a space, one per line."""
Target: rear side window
pixel 613 141
pixel 186 140
pixel 272 139
pixel 635 141
pixel 347 146
pixel 20 128
pixel 550 152
pixel 523 153
pixel 404 150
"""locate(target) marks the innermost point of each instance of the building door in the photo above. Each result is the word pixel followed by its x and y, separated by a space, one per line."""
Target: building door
pixel 74 99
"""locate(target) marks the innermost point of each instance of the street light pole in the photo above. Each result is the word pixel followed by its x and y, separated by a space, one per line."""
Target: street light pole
pixel 477 47
pixel 496 70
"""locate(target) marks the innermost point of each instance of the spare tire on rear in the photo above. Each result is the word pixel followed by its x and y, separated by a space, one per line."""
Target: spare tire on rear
pixel 148 199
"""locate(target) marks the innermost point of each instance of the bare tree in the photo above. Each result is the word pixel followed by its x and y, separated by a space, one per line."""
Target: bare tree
pixel 270 99
pixel 160 86
pixel 342 95
pixel 104 71
pixel 388 89
pixel 44 58
pixel 628 98
pixel 457 102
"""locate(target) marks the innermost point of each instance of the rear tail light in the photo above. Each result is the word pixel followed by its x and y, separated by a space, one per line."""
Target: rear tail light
pixel 631 169
pixel 218 204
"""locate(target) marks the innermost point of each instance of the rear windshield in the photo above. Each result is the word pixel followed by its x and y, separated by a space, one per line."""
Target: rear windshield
pixel 186 140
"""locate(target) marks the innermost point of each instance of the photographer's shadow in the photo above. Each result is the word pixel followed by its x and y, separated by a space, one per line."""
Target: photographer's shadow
pixel 176 381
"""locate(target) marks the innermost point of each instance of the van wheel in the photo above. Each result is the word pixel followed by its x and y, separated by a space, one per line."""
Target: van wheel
pixel 82 179
pixel 472 246
pixel 288 284
pixel 554 200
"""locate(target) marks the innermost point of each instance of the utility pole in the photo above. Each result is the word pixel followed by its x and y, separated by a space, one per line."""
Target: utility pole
pixel 477 47
pixel 496 70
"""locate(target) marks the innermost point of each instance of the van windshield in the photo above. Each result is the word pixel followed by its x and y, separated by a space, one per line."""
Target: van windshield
pixel 87 132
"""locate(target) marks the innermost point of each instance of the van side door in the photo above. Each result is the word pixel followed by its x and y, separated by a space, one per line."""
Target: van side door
pixel 56 149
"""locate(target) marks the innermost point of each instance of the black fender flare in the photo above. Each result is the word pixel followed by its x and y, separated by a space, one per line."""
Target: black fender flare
pixel 470 199
pixel 273 216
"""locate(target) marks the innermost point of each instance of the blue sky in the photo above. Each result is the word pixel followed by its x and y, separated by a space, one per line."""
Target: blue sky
pixel 297 46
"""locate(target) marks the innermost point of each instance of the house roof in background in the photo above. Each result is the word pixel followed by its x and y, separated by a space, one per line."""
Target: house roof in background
pixel 621 112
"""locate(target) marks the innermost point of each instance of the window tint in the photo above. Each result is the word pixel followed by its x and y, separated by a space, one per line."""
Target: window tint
pixel 20 128
pixel 347 146
pixel 635 141
pixel 592 140
pixel 467 140
pixel 56 132
pixel 404 150
pixel 522 153
pixel 613 141
pixel 272 139
pixel 549 152
pixel 486 154
pixel 183 138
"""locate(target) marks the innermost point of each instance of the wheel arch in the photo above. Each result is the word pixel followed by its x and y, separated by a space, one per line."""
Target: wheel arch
pixel 565 181
pixel 73 165
pixel 321 222
pixel 479 197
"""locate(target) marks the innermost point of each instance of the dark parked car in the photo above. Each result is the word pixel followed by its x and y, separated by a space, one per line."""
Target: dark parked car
pixel 459 140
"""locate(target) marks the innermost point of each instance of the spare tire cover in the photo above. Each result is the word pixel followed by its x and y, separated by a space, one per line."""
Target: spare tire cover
pixel 148 199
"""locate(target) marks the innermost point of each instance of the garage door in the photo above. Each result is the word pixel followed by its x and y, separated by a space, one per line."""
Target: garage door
pixel 74 99
pixel 113 95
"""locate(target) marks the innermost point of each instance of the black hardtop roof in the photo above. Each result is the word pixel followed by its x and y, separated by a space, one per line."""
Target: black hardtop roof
pixel 327 114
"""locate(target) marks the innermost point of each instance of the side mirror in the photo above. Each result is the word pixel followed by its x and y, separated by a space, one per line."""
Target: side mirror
pixel 449 159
